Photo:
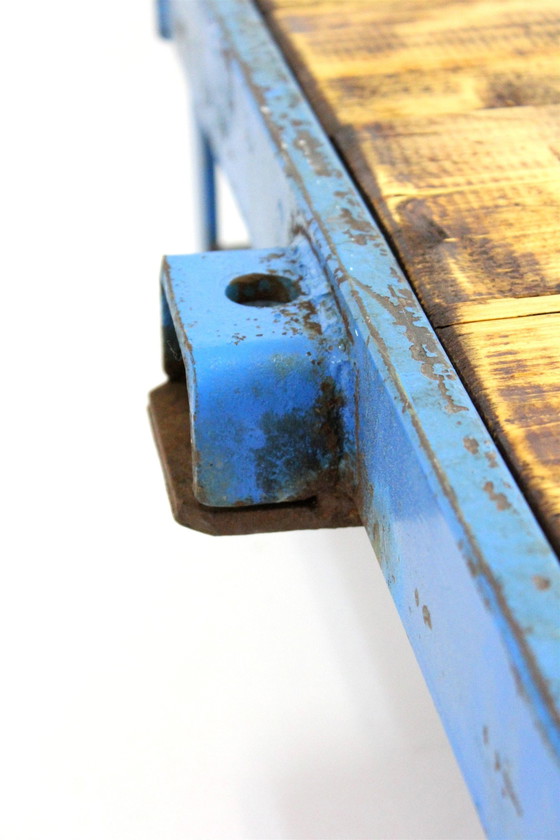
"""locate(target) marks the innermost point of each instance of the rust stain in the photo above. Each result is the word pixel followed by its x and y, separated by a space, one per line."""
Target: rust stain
pixel 316 454
pixel 275 255
pixel 259 290
pixel 416 597
pixel 426 616
pixel 500 499
pixel 541 583
pixel 492 460
pixel 308 315
pixel 471 445
pixel 169 414
pixel 485 735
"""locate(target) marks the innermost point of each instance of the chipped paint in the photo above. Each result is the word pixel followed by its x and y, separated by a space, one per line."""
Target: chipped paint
pixel 541 583
pixel 424 347
pixel 492 459
pixel 471 445
pixel 500 499
pixel 312 148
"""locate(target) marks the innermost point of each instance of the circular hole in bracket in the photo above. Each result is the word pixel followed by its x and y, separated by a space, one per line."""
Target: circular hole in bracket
pixel 262 290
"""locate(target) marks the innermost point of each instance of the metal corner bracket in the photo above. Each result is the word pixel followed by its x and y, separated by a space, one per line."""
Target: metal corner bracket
pixel 251 427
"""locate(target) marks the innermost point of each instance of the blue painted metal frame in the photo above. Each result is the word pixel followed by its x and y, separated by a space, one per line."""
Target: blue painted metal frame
pixel 475 581
pixel 205 173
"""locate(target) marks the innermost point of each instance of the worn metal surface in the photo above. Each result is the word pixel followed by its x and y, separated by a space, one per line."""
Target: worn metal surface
pixel 266 370
pixel 205 192
pixel 169 413
pixel 163 11
pixel 475 581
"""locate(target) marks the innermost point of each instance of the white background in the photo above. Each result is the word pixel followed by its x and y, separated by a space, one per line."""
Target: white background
pixel 157 683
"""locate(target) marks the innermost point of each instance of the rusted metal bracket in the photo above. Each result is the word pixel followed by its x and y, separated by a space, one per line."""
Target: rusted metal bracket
pixel 256 339
pixel 169 413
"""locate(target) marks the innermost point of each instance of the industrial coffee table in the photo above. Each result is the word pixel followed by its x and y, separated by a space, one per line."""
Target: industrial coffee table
pixel 388 350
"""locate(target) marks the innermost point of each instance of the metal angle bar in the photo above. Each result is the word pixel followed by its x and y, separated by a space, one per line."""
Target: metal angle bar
pixel 475 581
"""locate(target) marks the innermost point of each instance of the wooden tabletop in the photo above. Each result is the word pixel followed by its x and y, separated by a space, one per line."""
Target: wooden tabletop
pixel 447 114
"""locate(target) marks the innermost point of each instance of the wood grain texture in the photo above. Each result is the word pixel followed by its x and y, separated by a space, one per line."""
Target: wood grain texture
pixel 512 367
pixel 471 202
pixel 448 116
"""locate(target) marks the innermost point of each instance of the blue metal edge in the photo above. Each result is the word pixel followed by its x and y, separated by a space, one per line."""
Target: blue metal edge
pixel 475 581
pixel 163 17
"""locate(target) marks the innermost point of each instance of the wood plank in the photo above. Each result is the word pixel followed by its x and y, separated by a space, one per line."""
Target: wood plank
pixel 512 368
pixel 448 116
pixel 500 308
pixel 420 58
pixel 471 202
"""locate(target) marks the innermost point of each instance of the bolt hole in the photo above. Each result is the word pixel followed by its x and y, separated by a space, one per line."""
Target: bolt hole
pixel 262 290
